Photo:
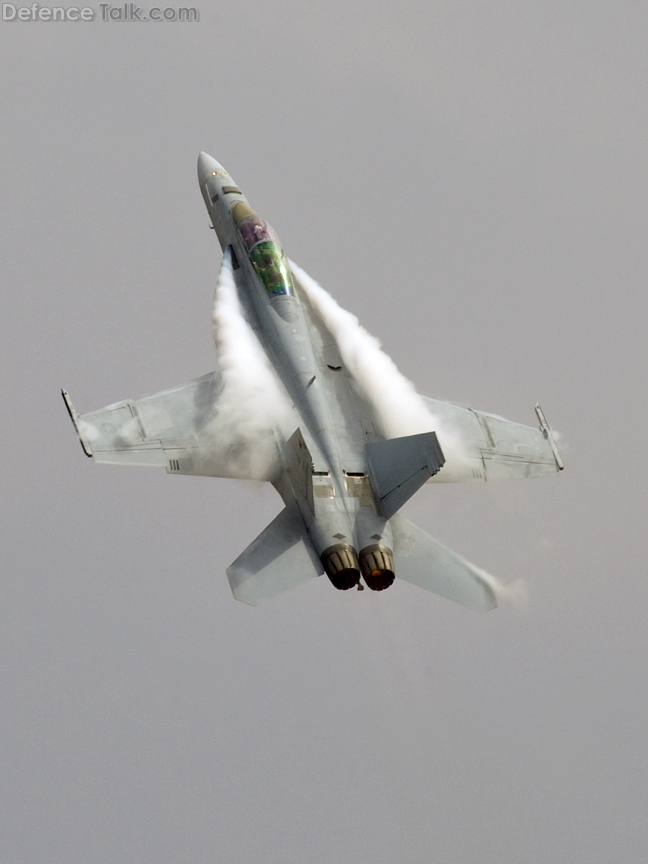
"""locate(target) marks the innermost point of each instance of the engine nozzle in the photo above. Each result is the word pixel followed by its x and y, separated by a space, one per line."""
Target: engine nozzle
pixel 377 566
pixel 341 565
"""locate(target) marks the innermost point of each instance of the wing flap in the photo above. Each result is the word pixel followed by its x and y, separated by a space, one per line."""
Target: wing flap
pixel 151 457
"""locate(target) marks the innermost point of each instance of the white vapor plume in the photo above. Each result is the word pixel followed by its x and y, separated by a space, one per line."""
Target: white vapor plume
pixel 252 405
pixel 515 593
pixel 399 409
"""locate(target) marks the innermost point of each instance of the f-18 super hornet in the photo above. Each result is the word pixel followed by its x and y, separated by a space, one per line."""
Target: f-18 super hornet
pixel 322 434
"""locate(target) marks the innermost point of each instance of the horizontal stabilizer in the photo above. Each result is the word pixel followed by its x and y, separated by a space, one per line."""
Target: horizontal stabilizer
pixel 280 558
pixel 400 466
pixel 423 561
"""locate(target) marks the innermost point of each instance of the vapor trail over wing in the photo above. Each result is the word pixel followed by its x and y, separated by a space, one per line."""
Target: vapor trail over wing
pixel 223 424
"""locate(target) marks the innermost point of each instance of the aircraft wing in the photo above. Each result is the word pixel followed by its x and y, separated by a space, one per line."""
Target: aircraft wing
pixel 183 429
pixel 477 446
pixel 480 446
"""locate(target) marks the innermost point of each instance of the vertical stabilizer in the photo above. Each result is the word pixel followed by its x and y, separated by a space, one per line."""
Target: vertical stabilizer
pixel 400 466
pixel 299 469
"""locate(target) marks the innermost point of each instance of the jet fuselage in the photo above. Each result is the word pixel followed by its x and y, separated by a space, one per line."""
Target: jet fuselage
pixel 355 444
pixel 338 505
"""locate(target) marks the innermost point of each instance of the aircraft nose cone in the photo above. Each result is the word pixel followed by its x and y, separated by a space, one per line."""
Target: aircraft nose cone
pixel 206 166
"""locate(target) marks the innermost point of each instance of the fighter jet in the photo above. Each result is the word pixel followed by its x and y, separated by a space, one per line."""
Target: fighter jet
pixel 320 434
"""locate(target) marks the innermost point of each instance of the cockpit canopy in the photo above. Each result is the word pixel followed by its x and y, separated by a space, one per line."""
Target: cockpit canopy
pixel 264 250
pixel 252 228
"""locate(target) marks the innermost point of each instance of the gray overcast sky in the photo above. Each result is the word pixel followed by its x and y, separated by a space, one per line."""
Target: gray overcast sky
pixel 470 178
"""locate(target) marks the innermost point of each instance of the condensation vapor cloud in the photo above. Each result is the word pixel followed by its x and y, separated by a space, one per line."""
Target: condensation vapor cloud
pixel 252 406
pixel 515 594
pixel 398 409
